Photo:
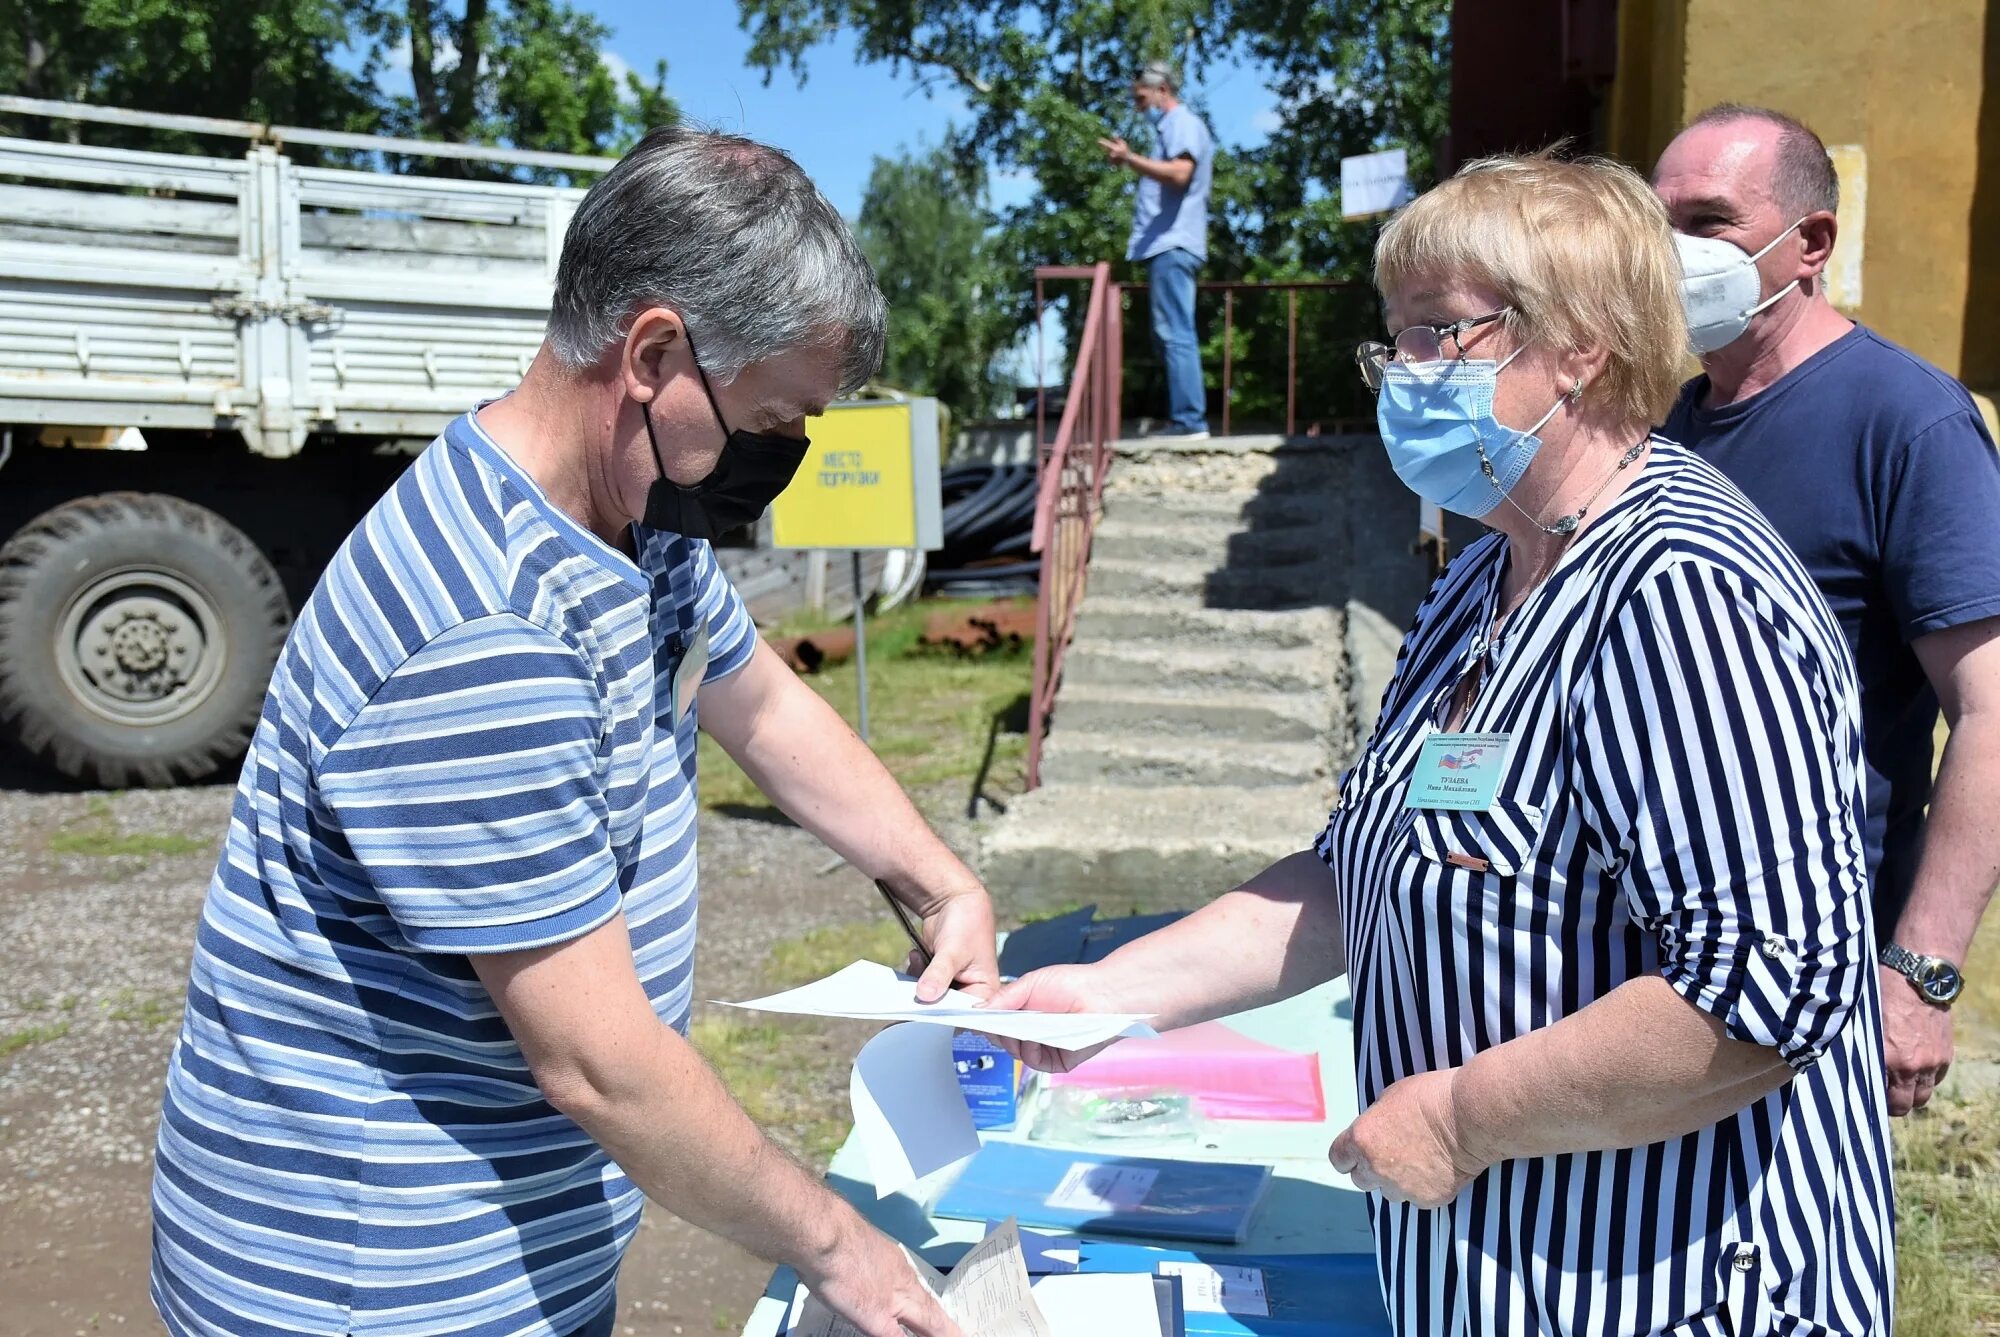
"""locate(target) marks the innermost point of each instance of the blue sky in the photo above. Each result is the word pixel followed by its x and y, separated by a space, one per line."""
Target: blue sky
pixel 847 114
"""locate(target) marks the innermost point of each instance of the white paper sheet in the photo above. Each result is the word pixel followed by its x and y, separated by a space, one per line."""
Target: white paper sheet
pixel 1220 1288
pixel 1045 1253
pixel 987 1293
pixel 1102 1188
pixel 908 1111
pixel 1099 1304
pixel 870 991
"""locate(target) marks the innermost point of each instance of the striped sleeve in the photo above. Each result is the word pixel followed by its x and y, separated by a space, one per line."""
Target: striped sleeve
pixel 470 792
pixel 1715 784
pixel 732 636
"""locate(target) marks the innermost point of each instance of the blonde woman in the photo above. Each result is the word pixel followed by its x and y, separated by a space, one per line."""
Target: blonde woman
pixel 1597 879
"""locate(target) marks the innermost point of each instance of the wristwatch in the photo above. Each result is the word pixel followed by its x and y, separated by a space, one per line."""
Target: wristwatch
pixel 1936 979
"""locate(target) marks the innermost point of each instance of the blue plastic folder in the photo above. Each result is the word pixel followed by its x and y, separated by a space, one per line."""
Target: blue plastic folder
pixel 1119 1195
pixel 1241 1295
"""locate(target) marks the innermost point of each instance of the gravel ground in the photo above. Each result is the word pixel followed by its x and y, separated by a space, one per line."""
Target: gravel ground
pixel 93 967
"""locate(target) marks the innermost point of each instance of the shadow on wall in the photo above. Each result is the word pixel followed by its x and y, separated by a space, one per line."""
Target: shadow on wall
pixel 1981 358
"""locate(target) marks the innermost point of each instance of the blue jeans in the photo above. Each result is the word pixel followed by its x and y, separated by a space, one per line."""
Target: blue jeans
pixel 1170 286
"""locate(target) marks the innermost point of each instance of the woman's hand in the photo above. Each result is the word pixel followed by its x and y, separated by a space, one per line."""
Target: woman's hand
pixel 1053 989
pixel 959 930
pixel 1409 1145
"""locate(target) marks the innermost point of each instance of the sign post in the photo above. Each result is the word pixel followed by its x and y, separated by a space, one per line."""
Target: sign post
pixel 870 483
pixel 860 646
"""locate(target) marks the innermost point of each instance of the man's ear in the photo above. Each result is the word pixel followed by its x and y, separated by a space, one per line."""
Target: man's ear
pixel 646 359
pixel 1819 231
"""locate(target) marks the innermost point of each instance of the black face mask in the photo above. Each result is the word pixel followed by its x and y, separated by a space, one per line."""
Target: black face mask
pixel 753 469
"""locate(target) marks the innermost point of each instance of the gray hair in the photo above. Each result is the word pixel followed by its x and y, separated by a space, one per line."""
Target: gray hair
pixel 1157 74
pixel 733 237
pixel 1804 180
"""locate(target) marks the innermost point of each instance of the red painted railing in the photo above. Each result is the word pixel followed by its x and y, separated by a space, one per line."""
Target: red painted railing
pixel 1070 488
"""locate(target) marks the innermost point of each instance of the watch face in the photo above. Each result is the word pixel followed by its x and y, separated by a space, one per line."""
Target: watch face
pixel 1940 981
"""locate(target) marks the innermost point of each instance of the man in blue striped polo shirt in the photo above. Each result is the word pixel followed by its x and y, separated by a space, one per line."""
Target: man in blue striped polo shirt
pixel 434 1052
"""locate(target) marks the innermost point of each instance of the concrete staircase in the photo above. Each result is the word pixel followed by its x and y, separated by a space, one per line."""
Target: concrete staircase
pixel 1221 671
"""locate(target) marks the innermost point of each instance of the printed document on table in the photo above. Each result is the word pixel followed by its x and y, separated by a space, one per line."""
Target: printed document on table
pixel 909 1114
pixel 869 991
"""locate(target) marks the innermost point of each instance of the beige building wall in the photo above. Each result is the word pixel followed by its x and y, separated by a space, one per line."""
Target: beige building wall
pixel 1914 87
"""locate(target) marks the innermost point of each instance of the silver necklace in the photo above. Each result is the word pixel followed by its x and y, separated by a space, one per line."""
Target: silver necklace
pixel 1564 526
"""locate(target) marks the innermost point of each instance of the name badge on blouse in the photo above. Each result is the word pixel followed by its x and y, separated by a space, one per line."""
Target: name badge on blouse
pixel 689 673
pixel 1458 771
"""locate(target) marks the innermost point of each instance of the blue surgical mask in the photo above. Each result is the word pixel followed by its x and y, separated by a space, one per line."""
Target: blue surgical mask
pixel 1156 115
pixel 1444 443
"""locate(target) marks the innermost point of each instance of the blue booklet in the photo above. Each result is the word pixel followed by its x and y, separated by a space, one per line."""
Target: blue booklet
pixel 1245 1295
pixel 1119 1195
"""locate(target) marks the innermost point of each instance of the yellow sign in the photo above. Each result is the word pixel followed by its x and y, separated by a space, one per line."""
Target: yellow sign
pixel 870 480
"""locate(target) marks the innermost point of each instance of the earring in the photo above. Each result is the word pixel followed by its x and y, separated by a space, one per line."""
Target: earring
pixel 1576 391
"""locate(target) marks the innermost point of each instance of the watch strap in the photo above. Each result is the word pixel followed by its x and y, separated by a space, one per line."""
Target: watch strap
pixel 1901 960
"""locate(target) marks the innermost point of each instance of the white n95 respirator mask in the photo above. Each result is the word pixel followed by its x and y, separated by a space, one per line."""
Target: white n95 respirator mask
pixel 1721 289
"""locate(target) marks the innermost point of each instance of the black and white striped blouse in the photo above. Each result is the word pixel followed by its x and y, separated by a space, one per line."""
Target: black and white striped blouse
pixel 1682 797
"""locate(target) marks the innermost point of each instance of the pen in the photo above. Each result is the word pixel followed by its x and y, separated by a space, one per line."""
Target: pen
pixel 903 918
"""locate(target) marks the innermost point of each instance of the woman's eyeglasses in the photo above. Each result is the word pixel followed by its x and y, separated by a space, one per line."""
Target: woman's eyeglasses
pixel 1417 343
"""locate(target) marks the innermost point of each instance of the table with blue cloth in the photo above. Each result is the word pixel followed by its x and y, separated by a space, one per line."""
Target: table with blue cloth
pixel 1309 1217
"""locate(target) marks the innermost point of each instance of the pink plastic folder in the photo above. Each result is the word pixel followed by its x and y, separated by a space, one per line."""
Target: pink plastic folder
pixel 1229 1075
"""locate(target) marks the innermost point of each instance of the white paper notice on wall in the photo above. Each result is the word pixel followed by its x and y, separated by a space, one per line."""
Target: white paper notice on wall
pixel 1221 1288
pixel 1843 268
pixel 1102 1188
pixel 1374 183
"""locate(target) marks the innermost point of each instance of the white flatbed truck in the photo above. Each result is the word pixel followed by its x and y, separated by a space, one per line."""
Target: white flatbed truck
pixel 210 367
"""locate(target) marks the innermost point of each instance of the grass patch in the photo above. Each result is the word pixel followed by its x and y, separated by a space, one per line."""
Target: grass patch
pixel 822 951
pixel 13 1042
pixel 1948 1219
pixel 97 835
pixel 931 715
pixel 1948 1177
pixel 145 1009
pixel 773 1070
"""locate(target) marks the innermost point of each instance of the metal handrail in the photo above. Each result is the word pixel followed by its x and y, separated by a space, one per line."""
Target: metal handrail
pixel 263 133
pixel 1070 489
pixel 1229 288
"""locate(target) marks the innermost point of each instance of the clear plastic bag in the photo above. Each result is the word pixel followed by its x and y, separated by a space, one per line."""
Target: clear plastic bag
pixel 1076 1115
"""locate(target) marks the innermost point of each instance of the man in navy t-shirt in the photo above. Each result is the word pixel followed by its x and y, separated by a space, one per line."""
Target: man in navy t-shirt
pixel 1876 468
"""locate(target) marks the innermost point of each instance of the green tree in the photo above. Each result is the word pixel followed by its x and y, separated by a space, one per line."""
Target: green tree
pixel 925 227
pixel 1045 78
pixel 269 60
pixel 525 73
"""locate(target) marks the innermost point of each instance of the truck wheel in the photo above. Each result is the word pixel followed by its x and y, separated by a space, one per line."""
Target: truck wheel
pixel 137 635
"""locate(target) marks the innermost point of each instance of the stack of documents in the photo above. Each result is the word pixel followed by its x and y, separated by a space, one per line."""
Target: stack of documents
pixel 1237 1295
